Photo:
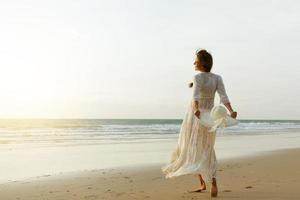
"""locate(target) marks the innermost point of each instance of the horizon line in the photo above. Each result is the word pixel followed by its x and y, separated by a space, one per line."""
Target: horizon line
pixel 130 119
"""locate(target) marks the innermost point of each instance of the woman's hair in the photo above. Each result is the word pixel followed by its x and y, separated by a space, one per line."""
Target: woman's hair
pixel 205 58
pixel 206 61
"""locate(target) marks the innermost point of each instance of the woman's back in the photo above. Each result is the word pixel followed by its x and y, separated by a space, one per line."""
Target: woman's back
pixel 205 85
pixel 195 152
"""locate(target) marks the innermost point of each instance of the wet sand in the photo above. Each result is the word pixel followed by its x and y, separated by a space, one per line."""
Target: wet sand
pixel 272 175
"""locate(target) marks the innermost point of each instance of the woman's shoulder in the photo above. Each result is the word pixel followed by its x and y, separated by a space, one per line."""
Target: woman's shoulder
pixel 214 74
pixel 208 74
pixel 198 76
pixel 217 76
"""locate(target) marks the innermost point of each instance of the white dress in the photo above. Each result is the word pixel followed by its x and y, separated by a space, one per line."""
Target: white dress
pixel 195 153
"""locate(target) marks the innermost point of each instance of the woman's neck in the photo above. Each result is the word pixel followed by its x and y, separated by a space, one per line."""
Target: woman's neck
pixel 202 71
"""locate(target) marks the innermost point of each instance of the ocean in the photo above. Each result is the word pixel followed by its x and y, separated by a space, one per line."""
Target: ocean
pixel 56 132
pixel 36 147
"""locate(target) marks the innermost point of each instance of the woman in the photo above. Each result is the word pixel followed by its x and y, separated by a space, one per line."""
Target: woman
pixel 195 152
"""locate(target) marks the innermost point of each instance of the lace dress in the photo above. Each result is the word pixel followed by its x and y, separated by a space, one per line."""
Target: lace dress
pixel 194 153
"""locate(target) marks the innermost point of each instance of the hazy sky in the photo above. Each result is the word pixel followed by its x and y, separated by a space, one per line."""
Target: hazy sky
pixel 134 59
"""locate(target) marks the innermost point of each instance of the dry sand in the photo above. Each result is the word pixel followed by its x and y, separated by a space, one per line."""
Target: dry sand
pixel 274 175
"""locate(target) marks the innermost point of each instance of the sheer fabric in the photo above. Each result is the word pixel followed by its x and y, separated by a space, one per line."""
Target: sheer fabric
pixel 194 153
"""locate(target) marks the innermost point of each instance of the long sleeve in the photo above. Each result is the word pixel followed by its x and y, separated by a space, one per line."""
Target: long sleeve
pixel 196 89
pixel 221 91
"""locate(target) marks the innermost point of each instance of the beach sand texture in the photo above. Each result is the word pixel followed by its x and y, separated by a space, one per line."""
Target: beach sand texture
pixel 272 175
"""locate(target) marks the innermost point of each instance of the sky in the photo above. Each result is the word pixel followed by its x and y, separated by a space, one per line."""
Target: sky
pixel 134 58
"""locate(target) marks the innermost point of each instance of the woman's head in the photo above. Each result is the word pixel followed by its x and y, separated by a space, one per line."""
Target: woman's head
pixel 203 61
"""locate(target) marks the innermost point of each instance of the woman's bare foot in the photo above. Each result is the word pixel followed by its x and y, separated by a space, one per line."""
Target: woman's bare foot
pixel 200 189
pixel 202 185
pixel 214 188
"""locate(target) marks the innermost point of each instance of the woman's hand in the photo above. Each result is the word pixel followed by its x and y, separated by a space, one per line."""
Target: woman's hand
pixel 197 113
pixel 233 114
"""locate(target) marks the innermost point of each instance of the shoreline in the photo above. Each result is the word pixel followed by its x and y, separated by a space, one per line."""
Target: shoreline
pixel 25 161
pixel 269 175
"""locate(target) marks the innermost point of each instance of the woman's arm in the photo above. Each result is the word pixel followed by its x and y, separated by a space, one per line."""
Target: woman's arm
pixel 196 108
pixel 224 98
pixel 196 96
pixel 232 112
pixel 221 91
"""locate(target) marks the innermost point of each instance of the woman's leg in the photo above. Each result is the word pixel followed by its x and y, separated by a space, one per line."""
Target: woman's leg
pixel 202 183
pixel 214 188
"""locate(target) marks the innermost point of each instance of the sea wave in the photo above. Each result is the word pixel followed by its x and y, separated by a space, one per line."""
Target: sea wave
pixel 102 131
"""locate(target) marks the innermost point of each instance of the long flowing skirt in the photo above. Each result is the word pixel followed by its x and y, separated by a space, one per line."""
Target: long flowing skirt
pixel 194 153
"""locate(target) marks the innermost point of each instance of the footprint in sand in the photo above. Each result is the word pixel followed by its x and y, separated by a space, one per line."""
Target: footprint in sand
pixel 248 187
pixel 155 178
pixel 120 193
pixel 90 197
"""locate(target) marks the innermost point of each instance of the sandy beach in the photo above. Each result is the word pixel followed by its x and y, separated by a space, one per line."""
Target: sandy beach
pixel 270 175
